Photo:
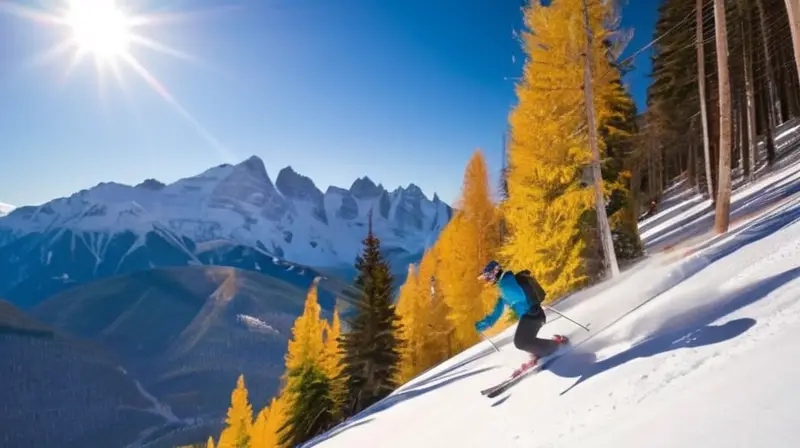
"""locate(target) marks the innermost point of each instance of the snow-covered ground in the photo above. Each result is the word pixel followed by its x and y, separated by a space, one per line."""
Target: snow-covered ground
pixel 691 347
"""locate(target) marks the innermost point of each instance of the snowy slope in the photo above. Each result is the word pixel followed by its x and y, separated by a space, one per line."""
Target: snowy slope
pixel 290 218
pixel 5 209
pixel 690 347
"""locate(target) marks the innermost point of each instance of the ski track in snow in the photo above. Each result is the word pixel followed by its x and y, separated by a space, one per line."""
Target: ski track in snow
pixel 694 350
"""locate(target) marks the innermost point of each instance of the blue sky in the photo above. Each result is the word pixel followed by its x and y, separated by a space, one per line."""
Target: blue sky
pixel 401 91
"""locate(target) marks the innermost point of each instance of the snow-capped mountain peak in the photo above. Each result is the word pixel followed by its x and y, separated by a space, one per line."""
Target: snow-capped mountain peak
pixel 296 186
pixel 364 187
pixel 290 219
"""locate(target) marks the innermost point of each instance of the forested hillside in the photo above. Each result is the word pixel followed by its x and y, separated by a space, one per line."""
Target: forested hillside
pixel 725 78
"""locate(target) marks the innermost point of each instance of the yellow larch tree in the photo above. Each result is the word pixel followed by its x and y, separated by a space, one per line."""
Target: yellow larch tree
pixel 332 359
pixel 466 244
pixel 307 343
pixel 412 328
pixel 239 422
pixel 438 342
pixel 259 435
pixel 210 442
pixel 266 429
pixel 549 205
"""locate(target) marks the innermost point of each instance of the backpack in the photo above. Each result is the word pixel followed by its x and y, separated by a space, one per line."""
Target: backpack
pixel 531 287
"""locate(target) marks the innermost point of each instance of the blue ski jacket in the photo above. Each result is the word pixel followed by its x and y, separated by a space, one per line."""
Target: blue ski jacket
pixel 511 294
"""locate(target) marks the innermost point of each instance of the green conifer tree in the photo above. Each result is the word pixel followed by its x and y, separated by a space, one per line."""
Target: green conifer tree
pixel 371 349
pixel 311 411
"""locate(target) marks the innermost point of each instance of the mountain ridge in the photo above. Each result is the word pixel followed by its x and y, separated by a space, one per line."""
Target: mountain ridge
pixel 290 218
pixel 228 215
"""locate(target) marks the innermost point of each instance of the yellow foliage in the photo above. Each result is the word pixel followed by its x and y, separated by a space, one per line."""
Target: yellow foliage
pixel 265 429
pixel 439 341
pixel 210 442
pixel 426 329
pixel 466 244
pixel 411 330
pixel 332 359
pixel 549 148
pixel 239 422
pixel 306 344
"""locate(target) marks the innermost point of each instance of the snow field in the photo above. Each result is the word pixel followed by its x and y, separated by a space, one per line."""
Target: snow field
pixel 695 350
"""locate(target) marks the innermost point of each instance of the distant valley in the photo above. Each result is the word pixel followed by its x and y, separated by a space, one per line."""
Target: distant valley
pixel 130 310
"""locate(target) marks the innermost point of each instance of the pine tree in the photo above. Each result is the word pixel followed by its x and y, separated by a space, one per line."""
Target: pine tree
pixel 239 422
pixel 371 348
pixel 548 203
pixel 311 411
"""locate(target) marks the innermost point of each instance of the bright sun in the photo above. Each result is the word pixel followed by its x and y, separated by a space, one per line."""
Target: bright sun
pixel 100 28
pixel 108 33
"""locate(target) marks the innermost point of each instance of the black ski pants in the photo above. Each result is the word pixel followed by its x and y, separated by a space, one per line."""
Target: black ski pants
pixel 526 338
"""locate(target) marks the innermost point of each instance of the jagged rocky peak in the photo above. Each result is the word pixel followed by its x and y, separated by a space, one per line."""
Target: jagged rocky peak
pixel 255 167
pixel 337 190
pixel 364 187
pixel 296 186
pixel 151 184
pixel 249 183
pixel 413 190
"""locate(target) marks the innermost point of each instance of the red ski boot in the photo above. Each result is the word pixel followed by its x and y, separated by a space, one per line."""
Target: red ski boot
pixel 526 366
pixel 560 339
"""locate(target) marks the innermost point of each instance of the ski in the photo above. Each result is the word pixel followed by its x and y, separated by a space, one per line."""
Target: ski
pixel 503 386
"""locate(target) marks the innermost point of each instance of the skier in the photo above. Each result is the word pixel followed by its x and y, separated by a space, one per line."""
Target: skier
pixel 530 312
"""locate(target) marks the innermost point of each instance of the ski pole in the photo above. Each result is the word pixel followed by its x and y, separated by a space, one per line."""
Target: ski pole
pixel 565 317
pixel 489 341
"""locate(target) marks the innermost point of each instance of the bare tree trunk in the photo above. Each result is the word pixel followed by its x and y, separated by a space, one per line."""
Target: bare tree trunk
pixel 691 164
pixel 750 161
pixel 600 203
pixel 774 110
pixel 740 156
pixel 722 215
pixel 701 82
pixel 793 10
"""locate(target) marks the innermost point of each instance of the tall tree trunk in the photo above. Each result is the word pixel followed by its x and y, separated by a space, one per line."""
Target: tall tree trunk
pixel 701 83
pixel 774 101
pixel 793 10
pixel 691 164
pixel 740 145
pixel 750 160
pixel 600 204
pixel 722 215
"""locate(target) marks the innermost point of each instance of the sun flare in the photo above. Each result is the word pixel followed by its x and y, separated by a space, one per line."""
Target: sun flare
pixel 109 31
pixel 99 28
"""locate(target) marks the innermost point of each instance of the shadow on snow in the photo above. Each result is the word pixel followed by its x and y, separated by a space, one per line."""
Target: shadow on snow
pixel 698 223
pixel 365 416
pixel 691 328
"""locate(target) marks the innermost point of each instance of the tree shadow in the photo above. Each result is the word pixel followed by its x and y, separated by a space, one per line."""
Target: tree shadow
pixel 698 223
pixel 753 232
pixel 447 371
pixel 688 329
pixel 393 400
